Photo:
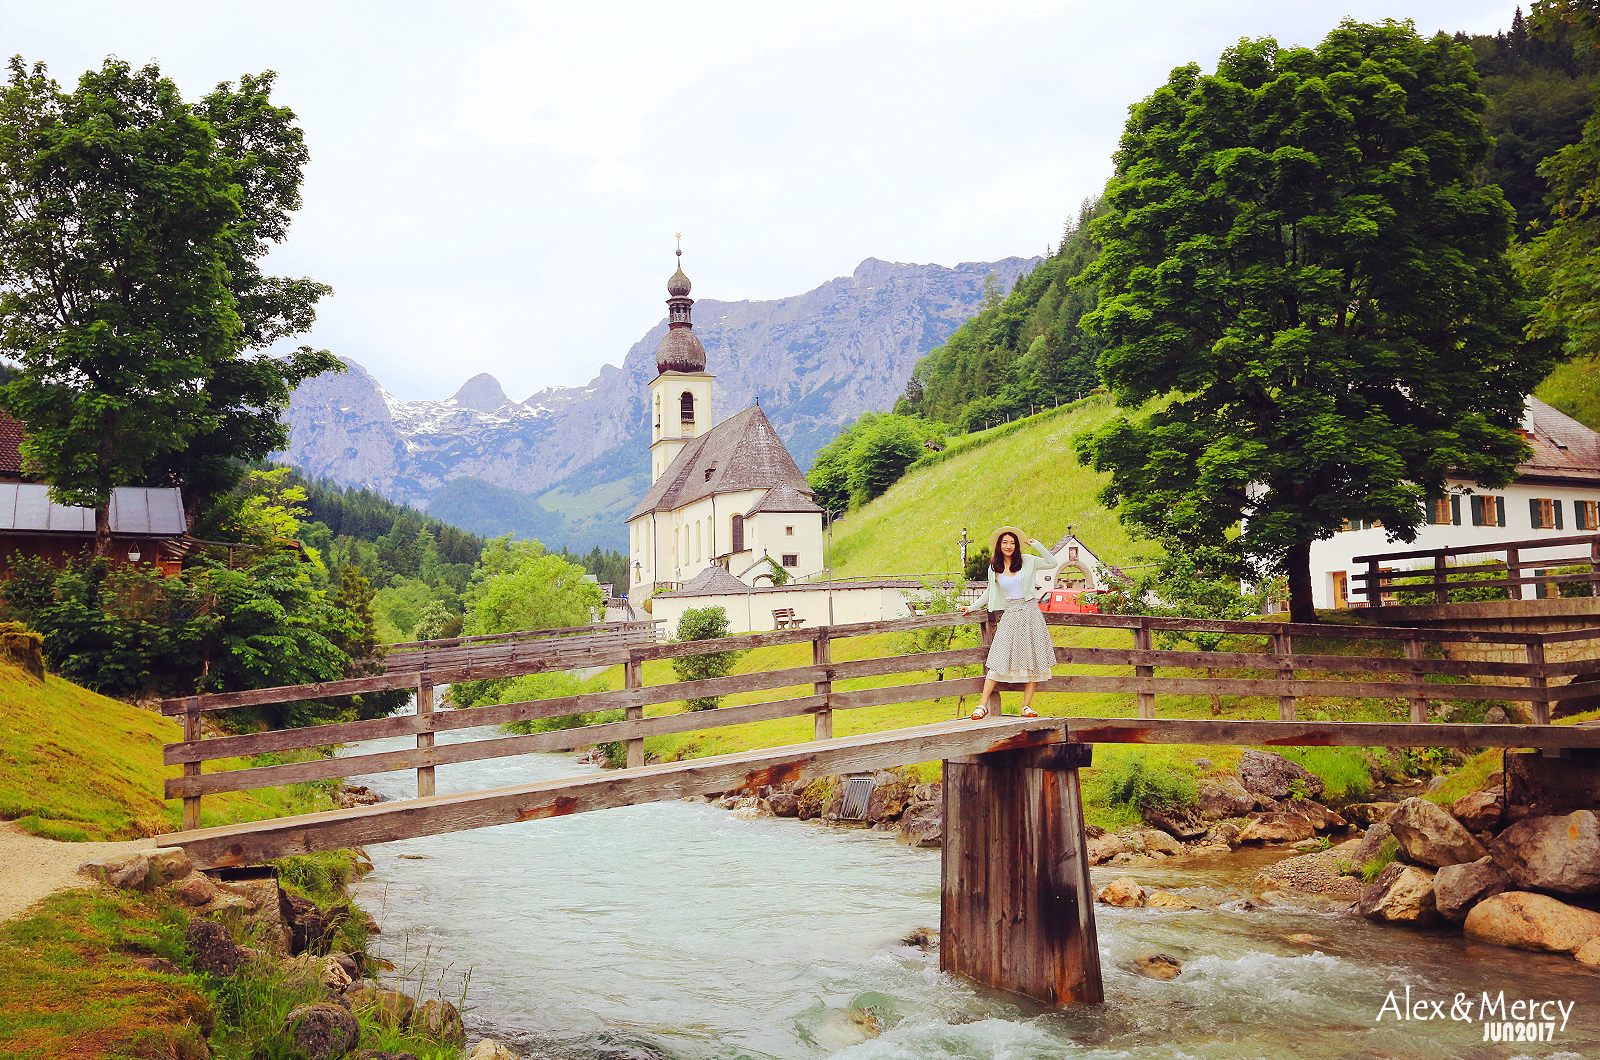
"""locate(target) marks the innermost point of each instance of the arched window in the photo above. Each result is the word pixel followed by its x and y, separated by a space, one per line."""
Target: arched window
pixel 738 533
pixel 697 540
pixel 686 407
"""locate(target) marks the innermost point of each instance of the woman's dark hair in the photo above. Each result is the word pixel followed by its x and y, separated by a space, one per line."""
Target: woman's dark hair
pixel 998 561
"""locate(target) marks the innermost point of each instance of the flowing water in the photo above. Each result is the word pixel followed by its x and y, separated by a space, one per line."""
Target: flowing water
pixel 674 930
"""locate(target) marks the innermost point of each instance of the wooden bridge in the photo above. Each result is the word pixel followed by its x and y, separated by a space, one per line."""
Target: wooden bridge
pixel 1017 905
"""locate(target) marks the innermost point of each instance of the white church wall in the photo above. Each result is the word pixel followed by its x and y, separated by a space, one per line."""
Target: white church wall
pixel 752 612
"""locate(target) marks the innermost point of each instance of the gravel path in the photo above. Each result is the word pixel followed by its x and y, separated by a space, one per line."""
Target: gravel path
pixel 31 867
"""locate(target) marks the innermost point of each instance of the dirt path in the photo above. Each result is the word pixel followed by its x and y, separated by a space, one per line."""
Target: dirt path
pixel 31 868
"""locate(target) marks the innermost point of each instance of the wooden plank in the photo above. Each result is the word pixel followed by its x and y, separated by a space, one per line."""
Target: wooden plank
pixel 821 655
pixel 1301 629
pixel 633 677
pixel 1541 707
pixel 1419 704
pixel 1327 734
pixel 1282 644
pixel 524 634
pixel 1230 660
pixel 191 732
pixel 254 842
pixel 1141 642
pixel 424 739
pixel 1470 550
pixel 1563 635
pixel 481 750
pixel 1420 586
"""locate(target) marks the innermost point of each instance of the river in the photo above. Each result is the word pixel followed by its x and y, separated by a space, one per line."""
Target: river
pixel 674 930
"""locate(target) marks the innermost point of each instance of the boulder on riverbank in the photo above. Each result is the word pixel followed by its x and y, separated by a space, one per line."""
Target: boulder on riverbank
pixel 1457 888
pixel 1400 894
pixel 1223 797
pixel 1528 921
pixel 322 1031
pixel 1124 893
pixel 1480 811
pixel 1557 854
pixel 1273 776
pixel 1428 835
pixel 1277 828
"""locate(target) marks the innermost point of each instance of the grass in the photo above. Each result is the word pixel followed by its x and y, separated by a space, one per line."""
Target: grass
pixel 79 766
pixel 78 945
pixel 915 527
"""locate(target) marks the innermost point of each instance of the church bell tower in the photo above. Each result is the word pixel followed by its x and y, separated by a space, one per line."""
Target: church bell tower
pixel 680 394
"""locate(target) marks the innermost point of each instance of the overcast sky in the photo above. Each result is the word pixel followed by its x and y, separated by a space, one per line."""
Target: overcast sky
pixel 495 186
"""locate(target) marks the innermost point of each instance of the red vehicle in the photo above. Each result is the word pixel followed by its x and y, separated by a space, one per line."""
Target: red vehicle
pixel 1076 601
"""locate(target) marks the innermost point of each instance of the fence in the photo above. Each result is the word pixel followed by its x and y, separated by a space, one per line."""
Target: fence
pixel 1413 677
pixel 1380 582
pixel 417 655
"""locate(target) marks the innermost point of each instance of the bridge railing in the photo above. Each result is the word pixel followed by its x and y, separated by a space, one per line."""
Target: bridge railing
pixel 1276 671
pixel 1434 573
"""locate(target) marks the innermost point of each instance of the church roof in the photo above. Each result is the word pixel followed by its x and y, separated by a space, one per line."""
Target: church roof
pixel 742 452
pixel 785 498
pixel 711 581
pixel 680 350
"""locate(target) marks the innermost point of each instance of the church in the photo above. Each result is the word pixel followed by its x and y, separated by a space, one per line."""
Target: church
pixel 726 502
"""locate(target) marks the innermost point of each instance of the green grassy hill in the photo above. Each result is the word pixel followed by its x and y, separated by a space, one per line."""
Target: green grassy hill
pixel 1574 388
pixel 79 766
pixel 1022 473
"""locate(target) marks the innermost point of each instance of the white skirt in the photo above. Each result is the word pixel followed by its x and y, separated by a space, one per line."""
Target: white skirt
pixel 1021 651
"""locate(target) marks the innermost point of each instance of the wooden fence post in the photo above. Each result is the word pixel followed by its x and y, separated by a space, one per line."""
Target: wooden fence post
pixel 191 733
pixel 1419 704
pixel 1282 645
pixel 1374 589
pixel 1594 567
pixel 1513 569
pixel 424 739
pixel 1141 642
pixel 1541 707
pixel 1016 904
pixel 633 677
pixel 822 655
pixel 1441 590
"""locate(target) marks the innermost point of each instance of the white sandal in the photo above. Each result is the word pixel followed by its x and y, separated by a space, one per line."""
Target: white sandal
pixel 1029 712
pixel 981 712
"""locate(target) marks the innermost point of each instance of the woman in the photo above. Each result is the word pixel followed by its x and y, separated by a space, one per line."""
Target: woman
pixel 1021 652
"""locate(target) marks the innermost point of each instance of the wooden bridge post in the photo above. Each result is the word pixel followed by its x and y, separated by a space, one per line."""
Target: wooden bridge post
pixel 191 733
pixel 1016 905
pixel 821 655
pixel 1513 572
pixel 1441 589
pixel 1419 704
pixel 1282 644
pixel 424 739
pixel 1374 587
pixel 1541 707
pixel 1141 642
pixel 633 677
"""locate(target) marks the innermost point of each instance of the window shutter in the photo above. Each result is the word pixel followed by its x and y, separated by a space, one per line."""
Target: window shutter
pixel 1557 504
pixel 1477 511
pixel 1500 511
pixel 1534 515
pixel 1455 508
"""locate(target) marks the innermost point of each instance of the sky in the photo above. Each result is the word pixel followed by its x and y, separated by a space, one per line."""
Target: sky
pixel 495 187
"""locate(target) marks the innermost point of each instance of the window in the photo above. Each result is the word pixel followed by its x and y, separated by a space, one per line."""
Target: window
pixel 791 560
pixel 738 533
pixel 1544 514
pixel 1586 513
pixel 1445 511
pixel 1360 524
pixel 686 409
pixel 1488 510
pixel 697 539
pixel 788 531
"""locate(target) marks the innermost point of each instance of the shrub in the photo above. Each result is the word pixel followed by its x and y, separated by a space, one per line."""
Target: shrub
pixel 704 623
pixel 1131 782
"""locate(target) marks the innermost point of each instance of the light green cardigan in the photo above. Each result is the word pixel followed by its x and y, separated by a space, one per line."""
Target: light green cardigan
pixel 1032 566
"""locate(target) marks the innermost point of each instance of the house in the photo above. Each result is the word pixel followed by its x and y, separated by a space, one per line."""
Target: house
pixel 147 523
pixel 1556 493
pixel 727 496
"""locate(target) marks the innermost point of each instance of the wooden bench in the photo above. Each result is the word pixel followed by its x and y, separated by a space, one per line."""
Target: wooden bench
pixel 783 618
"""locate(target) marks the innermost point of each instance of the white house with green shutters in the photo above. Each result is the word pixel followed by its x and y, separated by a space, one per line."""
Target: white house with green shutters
pixel 1556 493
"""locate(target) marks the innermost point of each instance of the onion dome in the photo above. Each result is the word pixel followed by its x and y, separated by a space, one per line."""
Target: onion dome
pixel 678 286
pixel 680 351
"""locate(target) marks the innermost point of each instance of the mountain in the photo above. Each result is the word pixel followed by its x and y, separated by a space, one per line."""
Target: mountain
pixel 815 361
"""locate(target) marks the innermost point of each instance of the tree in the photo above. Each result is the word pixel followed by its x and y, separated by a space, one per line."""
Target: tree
pixel 704 623
pixel 1307 293
pixel 130 223
pixel 881 454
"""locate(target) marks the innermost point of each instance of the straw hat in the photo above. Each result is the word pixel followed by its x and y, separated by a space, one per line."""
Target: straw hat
pixel 994 539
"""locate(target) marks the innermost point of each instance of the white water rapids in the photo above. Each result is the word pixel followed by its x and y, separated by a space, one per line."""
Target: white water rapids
pixel 674 930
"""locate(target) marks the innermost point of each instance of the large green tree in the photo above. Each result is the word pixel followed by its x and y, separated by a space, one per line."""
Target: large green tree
pixel 1305 292
pixel 131 223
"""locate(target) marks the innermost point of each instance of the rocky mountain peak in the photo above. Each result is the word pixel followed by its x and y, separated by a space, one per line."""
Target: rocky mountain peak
pixel 482 393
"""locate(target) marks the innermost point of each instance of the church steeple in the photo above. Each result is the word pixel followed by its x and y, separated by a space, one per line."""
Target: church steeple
pixel 680 349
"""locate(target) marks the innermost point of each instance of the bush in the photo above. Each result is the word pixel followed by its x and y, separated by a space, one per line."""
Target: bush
pixel 704 623
pixel 1130 782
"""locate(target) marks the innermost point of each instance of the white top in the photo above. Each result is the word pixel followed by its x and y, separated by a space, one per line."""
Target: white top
pixel 1011 585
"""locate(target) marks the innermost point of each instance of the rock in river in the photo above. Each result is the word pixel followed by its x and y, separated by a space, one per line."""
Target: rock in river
pixel 1532 922
pixel 1158 966
pixel 1273 776
pixel 1402 894
pixel 1277 828
pixel 1223 797
pixel 1457 888
pixel 1124 893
